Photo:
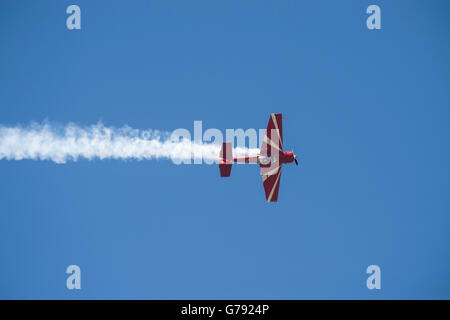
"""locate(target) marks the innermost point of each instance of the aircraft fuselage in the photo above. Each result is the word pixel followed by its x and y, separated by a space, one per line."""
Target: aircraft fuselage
pixel 283 157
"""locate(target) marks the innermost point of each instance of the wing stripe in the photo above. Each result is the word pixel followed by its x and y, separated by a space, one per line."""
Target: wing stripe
pixel 272 172
pixel 275 123
pixel 272 144
pixel 274 120
pixel 274 186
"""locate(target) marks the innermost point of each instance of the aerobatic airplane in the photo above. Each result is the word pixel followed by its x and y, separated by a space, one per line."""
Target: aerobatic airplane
pixel 270 158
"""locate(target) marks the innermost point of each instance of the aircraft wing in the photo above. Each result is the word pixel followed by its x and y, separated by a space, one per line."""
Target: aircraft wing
pixel 273 139
pixel 271 181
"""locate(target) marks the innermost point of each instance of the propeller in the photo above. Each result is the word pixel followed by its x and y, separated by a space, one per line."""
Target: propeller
pixel 295 159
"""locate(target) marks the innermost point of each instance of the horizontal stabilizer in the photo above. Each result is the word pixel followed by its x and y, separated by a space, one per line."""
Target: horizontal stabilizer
pixel 225 170
pixel 225 159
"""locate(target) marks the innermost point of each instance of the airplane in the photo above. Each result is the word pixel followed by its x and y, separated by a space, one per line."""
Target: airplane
pixel 270 158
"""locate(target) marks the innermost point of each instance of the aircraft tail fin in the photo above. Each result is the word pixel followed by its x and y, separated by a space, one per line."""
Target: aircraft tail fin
pixel 225 159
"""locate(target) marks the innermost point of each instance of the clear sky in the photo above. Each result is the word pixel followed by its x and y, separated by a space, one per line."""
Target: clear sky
pixel 366 111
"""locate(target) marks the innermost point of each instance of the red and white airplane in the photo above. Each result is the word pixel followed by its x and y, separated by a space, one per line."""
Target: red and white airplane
pixel 270 158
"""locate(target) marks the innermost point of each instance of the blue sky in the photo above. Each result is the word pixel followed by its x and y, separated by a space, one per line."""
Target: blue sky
pixel 367 112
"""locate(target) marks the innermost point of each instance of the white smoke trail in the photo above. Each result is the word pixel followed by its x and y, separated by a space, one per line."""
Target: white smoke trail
pixel 70 143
